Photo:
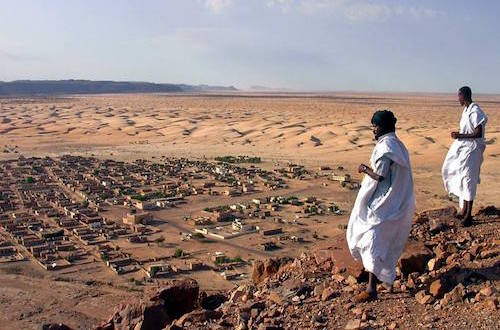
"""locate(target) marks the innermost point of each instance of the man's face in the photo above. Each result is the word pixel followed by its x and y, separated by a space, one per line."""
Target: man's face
pixel 461 98
pixel 375 130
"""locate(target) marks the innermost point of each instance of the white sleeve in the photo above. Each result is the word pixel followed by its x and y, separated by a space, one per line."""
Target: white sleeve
pixel 382 166
pixel 477 117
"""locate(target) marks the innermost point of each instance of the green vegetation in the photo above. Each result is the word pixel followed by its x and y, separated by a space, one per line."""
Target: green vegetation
pixel 149 196
pixel 5 151
pixel 220 208
pixel 178 253
pixel 227 260
pixel 238 159
pixel 29 179
pixel 85 203
pixel 96 171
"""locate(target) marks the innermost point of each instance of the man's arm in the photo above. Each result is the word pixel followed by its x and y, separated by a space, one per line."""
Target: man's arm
pixel 478 132
pixel 368 171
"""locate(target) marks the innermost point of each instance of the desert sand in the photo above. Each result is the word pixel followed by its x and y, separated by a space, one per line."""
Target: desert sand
pixel 308 129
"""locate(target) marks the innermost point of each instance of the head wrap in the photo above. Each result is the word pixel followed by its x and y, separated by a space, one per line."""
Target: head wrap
pixel 466 92
pixel 385 120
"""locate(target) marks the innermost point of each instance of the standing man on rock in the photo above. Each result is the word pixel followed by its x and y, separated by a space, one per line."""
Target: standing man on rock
pixel 382 216
pixel 463 162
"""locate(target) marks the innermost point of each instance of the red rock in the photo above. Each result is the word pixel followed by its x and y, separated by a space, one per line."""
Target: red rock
pixel 414 258
pixel 264 269
pixel 55 326
pixel 198 316
pixel 275 298
pixel 328 293
pixel 437 289
pixel 322 256
pixel 487 291
pixel 423 298
pixel 353 325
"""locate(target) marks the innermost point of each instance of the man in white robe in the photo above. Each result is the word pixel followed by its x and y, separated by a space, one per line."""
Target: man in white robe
pixel 382 216
pixel 463 162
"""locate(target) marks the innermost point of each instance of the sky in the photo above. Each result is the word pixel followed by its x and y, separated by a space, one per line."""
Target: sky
pixel 334 45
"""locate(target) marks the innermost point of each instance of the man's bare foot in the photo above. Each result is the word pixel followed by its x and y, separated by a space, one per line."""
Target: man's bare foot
pixel 467 222
pixel 365 296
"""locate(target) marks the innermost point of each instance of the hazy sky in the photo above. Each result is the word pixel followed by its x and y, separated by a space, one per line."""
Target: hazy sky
pixel 300 44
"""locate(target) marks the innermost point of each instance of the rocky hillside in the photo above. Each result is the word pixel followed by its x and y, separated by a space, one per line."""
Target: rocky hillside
pixel 448 278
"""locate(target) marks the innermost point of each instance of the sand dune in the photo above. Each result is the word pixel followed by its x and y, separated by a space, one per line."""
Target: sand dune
pixel 306 129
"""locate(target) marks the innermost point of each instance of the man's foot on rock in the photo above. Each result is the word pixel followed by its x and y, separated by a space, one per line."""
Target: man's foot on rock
pixel 365 296
pixel 467 222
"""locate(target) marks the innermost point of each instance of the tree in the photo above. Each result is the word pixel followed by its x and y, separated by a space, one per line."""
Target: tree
pixel 178 253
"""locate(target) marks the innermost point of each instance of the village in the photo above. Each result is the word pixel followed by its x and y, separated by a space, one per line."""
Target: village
pixel 151 220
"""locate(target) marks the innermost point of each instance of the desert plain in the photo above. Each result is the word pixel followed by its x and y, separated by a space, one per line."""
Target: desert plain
pixel 311 131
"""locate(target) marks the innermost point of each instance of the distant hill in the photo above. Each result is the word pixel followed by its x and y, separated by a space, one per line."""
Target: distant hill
pixel 51 87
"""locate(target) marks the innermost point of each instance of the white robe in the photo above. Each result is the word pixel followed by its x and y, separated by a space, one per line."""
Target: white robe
pixel 377 233
pixel 462 164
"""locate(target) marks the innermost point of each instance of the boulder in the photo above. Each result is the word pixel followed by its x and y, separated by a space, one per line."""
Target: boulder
pixel 212 301
pixel 170 302
pixel 198 316
pixel 437 288
pixel 55 326
pixel 179 297
pixel 414 258
pixel 267 268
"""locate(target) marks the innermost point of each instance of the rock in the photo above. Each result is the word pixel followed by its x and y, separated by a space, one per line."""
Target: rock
pixel 351 280
pixel 491 304
pixel 322 256
pixel 487 291
pixel 328 293
pixel 212 301
pixel 437 288
pixel 275 298
pixel 432 264
pixel 264 269
pixel 353 325
pixel 436 225
pixel 254 312
pixel 55 326
pixel 454 296
pixel 423 298
pixel 237 294
pixel 489 254
pixel 179 297
pixel 392 326
pixel 414 258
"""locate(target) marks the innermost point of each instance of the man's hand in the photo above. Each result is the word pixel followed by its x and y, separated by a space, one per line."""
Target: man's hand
pixel 362 168
pixel 454 135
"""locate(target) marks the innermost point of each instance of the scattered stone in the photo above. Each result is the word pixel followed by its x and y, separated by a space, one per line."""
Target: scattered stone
pixel 353 325
pixel 423 298
pixel 437 288
pixel 328 293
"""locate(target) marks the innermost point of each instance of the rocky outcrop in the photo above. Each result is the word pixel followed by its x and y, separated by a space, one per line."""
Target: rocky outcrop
pixel 263 269
pixel 157 310
pixel 448 278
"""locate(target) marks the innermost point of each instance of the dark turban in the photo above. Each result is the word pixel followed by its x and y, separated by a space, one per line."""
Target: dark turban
pixel 385 120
